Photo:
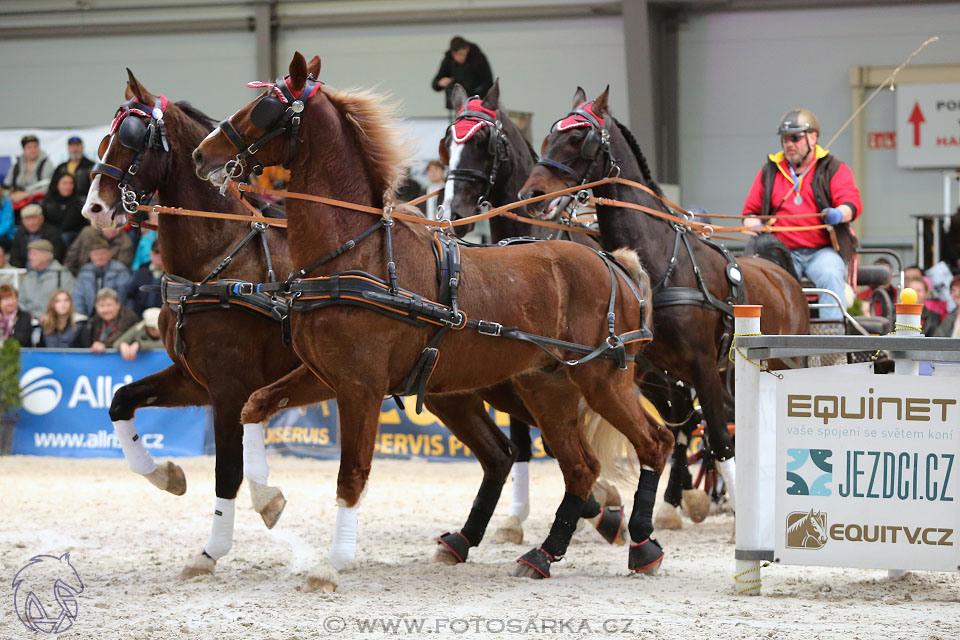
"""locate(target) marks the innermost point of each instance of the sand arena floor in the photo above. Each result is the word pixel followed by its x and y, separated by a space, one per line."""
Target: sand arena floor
pixel 128 542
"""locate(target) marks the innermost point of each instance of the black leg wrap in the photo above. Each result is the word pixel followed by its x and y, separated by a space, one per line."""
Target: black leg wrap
pixel 611 521
pixel 538 559
pixel 520 436
pixel 482 511
pixel 645 555
pixel 641 520
pixel 591 508
pixel 564 525
pixel 673 494
pixel 456 543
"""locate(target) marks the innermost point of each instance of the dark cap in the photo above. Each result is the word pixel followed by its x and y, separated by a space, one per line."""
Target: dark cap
pixel 458 43
pixel 28 138
pixel 74 140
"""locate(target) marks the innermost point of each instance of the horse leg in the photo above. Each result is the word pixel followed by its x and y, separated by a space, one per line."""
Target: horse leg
pixel 511 529
pixel 229 474
pixel 467 418
pixel 168 388
pixel 359 408
pixel 710 391
pixel 556 411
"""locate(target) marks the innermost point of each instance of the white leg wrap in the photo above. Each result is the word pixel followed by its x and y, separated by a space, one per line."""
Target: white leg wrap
pixel 520 504
pixel 343 551
pixel 255 468
pixel 221 532
pixel 138 459
pixel 728 469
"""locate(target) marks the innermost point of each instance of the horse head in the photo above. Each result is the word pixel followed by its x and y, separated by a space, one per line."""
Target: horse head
pixel 477 152
pixel 133 158
pixel 576 151
pixel 817 526
pixel 265 131
pixel 45 591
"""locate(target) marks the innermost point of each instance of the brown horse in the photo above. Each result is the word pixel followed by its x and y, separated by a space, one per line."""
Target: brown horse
pixel 227 352
pixel 347 150
pixel 589 144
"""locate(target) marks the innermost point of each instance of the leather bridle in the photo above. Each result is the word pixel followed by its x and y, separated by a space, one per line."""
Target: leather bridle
pixel 595 147
pixel 496 148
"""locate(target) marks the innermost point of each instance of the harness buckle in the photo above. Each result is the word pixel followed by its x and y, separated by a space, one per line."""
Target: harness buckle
pixel 244 288
pixel 583 196
pixel 489 328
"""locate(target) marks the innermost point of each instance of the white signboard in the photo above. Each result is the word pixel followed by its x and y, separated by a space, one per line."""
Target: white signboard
pixel 928 125
pixel 867 471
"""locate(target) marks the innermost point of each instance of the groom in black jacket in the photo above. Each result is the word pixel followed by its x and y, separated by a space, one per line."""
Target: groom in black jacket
pixel 463 64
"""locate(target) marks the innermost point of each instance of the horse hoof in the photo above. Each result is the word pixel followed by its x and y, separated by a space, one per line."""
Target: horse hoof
pixel 168 477
pixel 322 578
pixel 645 557
pixel 201 564
pixel 651 570
pixel 510 532
pixel 268 502
pixel 668 517
pixel 696 503
pixel 523 571
pixel 313 584
pixel 444 556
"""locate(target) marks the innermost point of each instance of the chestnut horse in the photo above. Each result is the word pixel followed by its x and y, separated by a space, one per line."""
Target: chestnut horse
pixel 347 150
pixel 227 353
pixel 589 144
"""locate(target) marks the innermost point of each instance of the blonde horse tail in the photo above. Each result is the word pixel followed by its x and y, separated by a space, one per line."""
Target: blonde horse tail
pixel 618 459
pixel 631 261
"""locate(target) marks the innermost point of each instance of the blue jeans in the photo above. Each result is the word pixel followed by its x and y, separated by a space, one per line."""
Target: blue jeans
pixel 824 267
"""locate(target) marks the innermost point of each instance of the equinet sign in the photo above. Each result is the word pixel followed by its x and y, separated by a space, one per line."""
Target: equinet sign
pixel 809 530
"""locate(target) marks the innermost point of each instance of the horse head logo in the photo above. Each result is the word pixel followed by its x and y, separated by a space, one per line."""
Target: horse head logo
pixel 806 530
pixel 45 594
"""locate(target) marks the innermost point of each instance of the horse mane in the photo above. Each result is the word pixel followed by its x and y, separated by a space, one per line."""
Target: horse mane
pixel 374 121
pixel 801 522
pixel 196 115
pixel 641 159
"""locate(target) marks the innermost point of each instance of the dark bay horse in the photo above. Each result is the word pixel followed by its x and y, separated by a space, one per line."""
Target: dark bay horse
pixel 348 150
pixel 589 144
pixel 489 160
pixel 227 353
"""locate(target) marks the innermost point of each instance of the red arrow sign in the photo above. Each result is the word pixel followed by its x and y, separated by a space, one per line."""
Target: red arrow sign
pixel 916 117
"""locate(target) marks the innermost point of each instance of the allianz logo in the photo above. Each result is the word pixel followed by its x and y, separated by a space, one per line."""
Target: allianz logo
pixel 42 391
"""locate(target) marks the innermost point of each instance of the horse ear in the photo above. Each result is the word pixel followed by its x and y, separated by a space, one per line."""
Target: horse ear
pixel 458 97
pixel 444 152
pixel 579 97
pixel 66 556
pixel 298 71
pixel 313 67
pixel 492 99
pixel 137 90
pixel 600 103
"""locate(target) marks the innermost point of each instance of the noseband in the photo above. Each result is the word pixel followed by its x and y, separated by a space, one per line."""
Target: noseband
pixel 134 133
pixel 496 148
pixel 596 145
pixel 277 113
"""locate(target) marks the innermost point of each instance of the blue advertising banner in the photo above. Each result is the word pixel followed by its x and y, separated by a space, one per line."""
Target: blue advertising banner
pixel 66 396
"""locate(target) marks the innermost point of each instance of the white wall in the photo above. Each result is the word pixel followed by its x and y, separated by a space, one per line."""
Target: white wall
pixel 739 72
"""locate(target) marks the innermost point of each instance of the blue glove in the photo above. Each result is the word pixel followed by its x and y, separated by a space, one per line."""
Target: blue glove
pixel 834 215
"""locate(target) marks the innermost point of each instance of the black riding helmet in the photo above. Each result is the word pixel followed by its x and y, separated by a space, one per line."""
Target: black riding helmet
pixel 798 121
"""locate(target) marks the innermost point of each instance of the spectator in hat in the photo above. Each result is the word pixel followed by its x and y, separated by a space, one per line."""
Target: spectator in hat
pixel 109 321
pixel 149 273
pixel 44 276
pixel 15 323
pixel 62 327
pixel 100 272
pixel 77 165
pixel 142 336
pixel 62 208
pixel 30 175
pixel 121 247
pixel 463 64
pixel 34 227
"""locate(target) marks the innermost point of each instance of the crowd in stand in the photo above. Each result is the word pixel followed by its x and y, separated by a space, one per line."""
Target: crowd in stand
pixel 64 284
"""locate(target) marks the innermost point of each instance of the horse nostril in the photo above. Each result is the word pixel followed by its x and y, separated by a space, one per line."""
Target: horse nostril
pixel 96 208
pixel 197 157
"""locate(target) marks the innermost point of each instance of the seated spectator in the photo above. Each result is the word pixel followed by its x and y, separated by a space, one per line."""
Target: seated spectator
pixel 120 244
pixel 62 326
pixel 109 322
pixel 34 227
pixel 15 323
pixel 148 274
pixel 949 327
pixel 30 176
pixel 142 336
pixel 44 276
pixel 929 319
pixel 61 208
pixel 78 166
pixel 8 227
pixel 99 273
